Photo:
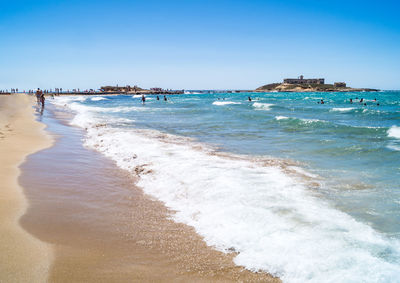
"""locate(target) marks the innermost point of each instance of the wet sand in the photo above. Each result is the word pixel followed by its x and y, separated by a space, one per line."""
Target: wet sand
pixel 23 258
pixel 104 229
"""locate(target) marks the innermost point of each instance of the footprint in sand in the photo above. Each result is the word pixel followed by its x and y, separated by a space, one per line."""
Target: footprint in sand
pixel 8 128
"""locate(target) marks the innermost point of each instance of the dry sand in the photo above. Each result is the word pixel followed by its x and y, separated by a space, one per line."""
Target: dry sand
pixel 23 258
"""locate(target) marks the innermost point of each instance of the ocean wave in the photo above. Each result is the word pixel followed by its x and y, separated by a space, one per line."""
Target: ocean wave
pixel 95 109
pixel 342 109
pixel 98 98
pixel 308 97
pixel 191 92
pixel 120 121
pixel 308 121
pixel 298 120
pixel 393 146
pixel 262 106
pixel 65 99
pixel 394 132
pixel 221 103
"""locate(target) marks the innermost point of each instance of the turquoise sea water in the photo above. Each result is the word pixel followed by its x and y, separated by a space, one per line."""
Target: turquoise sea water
pixel 350 150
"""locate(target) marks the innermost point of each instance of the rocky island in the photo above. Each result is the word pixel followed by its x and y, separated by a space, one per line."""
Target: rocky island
pixel 308 85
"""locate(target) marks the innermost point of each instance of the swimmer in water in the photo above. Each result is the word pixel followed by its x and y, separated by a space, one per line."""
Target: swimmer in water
pixel 158 98
pixel 322 101
pixel 143 99
pixel 249 98
pixel 165 98
pixel 351 100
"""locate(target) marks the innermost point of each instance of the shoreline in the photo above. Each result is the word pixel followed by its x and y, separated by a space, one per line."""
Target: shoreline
pixel 23 257
pixel 104 228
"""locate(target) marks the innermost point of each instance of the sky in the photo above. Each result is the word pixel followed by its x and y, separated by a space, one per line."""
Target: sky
pixel 195 44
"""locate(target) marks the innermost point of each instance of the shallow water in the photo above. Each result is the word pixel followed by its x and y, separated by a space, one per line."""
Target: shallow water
pixel 305 191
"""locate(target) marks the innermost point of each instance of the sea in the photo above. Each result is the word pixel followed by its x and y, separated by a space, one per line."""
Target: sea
pixel 304 190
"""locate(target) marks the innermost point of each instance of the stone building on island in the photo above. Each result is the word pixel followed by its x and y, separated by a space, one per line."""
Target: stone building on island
pixel 301 80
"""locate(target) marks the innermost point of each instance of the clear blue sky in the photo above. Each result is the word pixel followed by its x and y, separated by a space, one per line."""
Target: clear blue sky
pixel 234 44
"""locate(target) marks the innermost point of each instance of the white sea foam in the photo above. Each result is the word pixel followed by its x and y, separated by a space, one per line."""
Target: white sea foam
pixel 262 106
pixel 221 103
pixel 393 146
pixel 191 92
pixel 120 109
pixel 307 121
pixel 120 120
pixel 98 98
pixel 308 97
pixel 344 109
pixel 66 99
pixel 274 222
pixel 394 132
pixel 302 120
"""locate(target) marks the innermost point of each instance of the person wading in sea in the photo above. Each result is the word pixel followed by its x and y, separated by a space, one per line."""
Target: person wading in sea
pixel 38 95
pixel 42 99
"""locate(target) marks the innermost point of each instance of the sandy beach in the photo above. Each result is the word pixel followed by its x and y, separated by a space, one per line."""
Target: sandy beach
pixel 83 219
pixel 23 258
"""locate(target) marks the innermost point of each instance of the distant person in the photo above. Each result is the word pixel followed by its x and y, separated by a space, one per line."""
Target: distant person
pixel 377 104
pixel 165 98
pixel 38 94
pixel 42 99
pixel 158 98
pixel 249 98
pixel 365 104
pixel 362 99
pixel 351 100
pixel 322 101
pixel 143 99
